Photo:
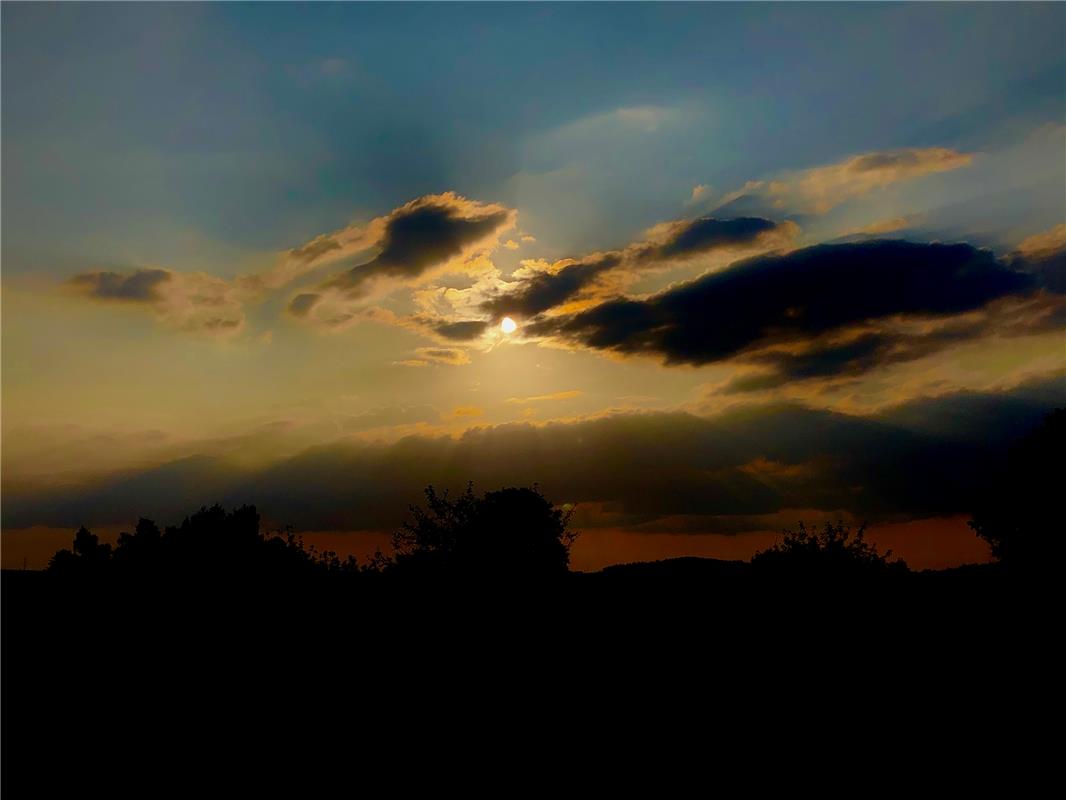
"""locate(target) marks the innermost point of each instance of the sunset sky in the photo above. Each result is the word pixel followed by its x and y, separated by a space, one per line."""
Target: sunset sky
pixel 766 263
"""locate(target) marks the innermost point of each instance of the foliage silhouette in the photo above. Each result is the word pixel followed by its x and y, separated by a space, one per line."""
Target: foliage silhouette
pixel 509 533
pixel 210 543
pixel 1019 512
pixel 513 532
pixel 836 550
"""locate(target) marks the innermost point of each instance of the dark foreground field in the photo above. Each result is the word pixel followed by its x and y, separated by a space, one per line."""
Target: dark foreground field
pixel 124 684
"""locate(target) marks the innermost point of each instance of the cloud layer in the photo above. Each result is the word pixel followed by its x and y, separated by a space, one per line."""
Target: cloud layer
pixel 652 471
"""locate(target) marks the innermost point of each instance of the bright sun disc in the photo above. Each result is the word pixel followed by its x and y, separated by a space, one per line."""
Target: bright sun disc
pixel 508 325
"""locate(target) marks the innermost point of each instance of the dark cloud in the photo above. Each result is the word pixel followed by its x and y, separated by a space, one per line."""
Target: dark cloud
pixel 138 287
pixel 756 460
pixel 869 350
pixel 980 416
pixel 703 235
pixel 1048 266
pixel 796 297
pixel 545 290
pixel 453 356
pixel 676 240
pixel 188 301
pixel 301 305
pixel 220 324
pixel 461 331
pixel 848 358
pixel 314 249
pixel 426 233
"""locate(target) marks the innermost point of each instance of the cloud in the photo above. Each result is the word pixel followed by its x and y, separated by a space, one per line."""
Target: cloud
pixel 389 416
pixel 798 298
pixel 443 355
pixel 460 330
pixel 188 301
pixel 882 226
pixel 467 411
pixel 1044 255
pixel 541 398
pixel 302 304
pixel 1042 245
pixel 853 352
pixel 511 244
pixel 648 469
pixel 140 286
pixel 854 355
pixel 700 193
pixel 315 249
pixel 426 233
pixel 429 234
pixel 821 189
pixel 685 239
pixel 544 289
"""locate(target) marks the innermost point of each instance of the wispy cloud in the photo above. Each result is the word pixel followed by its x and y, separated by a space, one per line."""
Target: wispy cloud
pixel 820 189
pixel 700 193
pixel 467 411
pixel 188 301
pixel 451 356
pixel 543 398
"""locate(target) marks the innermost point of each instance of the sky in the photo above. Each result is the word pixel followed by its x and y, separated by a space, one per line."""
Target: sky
pixel 765 263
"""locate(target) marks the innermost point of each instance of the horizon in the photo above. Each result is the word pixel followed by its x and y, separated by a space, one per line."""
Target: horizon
pixel 699 272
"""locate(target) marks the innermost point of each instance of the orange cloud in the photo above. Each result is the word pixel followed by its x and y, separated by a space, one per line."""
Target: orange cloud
pixel 467 411
pixel 540 398
pixel 819 189
pixel 1044 244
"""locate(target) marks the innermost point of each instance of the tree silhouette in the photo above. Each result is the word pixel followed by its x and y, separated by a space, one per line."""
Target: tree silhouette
pixel 836 549
pixel 211 543
pixel 510 532
pixel 1020 512
pixel 85 555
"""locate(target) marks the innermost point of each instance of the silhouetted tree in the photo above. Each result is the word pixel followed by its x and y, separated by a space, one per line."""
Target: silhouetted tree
pixel 1019 512
pixel 141 548
pixel 210 543
pixel 86 554
pixel 836 549
pixel 510 532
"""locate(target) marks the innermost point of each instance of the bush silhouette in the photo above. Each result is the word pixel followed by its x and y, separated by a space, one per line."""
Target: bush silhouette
pixel 510 532
pixel 1019 512
pixel 836 549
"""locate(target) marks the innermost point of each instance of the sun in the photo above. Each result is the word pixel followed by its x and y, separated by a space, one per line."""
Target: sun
pixel 508 325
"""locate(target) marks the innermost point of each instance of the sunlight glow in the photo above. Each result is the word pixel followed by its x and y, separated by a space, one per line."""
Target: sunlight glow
pixel 508 325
